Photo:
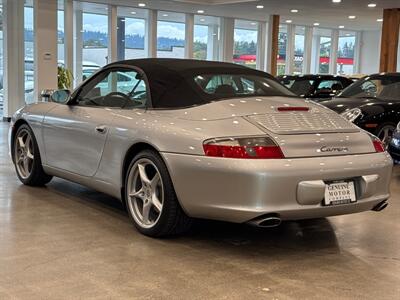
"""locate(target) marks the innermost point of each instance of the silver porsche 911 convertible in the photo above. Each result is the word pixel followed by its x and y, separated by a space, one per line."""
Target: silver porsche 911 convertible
pixel 181 139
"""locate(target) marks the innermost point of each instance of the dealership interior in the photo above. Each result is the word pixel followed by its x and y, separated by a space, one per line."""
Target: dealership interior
pixel 68 240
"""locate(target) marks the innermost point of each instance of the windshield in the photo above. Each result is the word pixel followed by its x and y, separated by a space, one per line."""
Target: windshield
pixel 220 86
pixel 383 87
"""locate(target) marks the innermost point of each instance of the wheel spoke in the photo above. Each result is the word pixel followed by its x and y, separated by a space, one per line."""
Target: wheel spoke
pixel 25 166
pixel 28 142
pixel 20 159
pixel 146 212
pixel 143 175
pixel 29 154
pixel 156 203
pixel 138 194
pixel 154 182
pixel 21 142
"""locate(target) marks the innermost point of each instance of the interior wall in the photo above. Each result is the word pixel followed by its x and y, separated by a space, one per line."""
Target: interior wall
pixel 370 51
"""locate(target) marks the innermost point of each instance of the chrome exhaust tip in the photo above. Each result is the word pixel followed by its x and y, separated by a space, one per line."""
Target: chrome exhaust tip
pixel 380 206
pixel 266 221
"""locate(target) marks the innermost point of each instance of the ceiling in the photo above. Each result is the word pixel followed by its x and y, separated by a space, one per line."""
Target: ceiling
pixel 324 12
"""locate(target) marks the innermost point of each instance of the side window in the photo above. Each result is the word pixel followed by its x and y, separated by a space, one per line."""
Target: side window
pixel 247 85
pixel 122 88
pixel 330 84
pixel 221 82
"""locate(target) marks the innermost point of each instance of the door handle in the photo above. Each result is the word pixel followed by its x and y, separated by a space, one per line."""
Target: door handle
pixel 101 129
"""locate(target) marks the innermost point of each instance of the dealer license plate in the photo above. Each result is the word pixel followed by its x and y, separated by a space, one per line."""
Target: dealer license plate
pixel 340 193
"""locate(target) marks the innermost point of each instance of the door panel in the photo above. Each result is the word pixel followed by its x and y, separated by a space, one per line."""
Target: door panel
pixel 74 137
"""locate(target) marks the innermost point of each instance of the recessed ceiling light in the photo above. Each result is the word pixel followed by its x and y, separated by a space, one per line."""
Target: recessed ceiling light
pixel 341 26
pixel 253 23
pixel 133 12
pixel 347 34
pixel 260 6
pixel 379 20
pixel 336 1
pixel 142 4
pixel 316 24
pixel 202 20
pixel 294 10
pixel 352 17
pixel 288 21
pixel 372 5
pixel 200 11
pixel 165 15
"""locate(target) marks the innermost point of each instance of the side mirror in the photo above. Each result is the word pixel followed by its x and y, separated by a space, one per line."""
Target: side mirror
pixel 60 96
pixel 46 95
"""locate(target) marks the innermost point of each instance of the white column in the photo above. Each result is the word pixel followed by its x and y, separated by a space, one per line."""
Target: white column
pixel 307 56
pixel 269 44
pixel 315 54
pixel 189 35
pixel 45 19
pixel 151 34
pixel 357 53
pixel 69 35
pixel 227 39
pixel 334 52
pixel 112 34
pixel 78 49
pixel 291 30
pixel 13 39
pixel 212 42
pixel 261 45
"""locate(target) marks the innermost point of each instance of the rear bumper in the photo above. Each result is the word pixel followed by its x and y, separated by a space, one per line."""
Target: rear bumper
pixel 238 190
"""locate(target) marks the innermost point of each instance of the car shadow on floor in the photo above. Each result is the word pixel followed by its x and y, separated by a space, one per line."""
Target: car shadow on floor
pixel 293 236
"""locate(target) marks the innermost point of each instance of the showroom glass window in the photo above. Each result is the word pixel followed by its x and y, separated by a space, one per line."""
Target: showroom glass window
pixel 298 50
pixel 282 45
pixel 245 43
pixel 131 32
pixel 1 63
pixel 324 39
pixel 170 35
pixel 29 38
pixel 206 37
pixel 91 35
pixel 60 35
pixel 345 53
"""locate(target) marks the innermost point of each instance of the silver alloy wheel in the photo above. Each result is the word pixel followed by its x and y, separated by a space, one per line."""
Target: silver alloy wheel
pixel 145 193
pixel 386 135
pixel 24 154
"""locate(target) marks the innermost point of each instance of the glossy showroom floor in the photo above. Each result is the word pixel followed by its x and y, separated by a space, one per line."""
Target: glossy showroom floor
pixel 66 241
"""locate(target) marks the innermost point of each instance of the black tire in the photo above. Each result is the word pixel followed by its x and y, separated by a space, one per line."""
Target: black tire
pixel 37 176
pixel 172 219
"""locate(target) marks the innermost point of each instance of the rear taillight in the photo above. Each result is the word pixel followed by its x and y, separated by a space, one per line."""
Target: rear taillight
pixel 379 147
pixel 249 147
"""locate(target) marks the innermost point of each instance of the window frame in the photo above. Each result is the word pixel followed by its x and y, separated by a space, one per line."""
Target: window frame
pixel 107 70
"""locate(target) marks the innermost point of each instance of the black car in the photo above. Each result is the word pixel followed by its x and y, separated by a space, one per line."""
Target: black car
pixel 372 103
pixel 394 145
pixel 315 87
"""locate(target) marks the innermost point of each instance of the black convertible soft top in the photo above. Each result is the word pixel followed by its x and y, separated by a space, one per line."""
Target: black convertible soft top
pixel 172 80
